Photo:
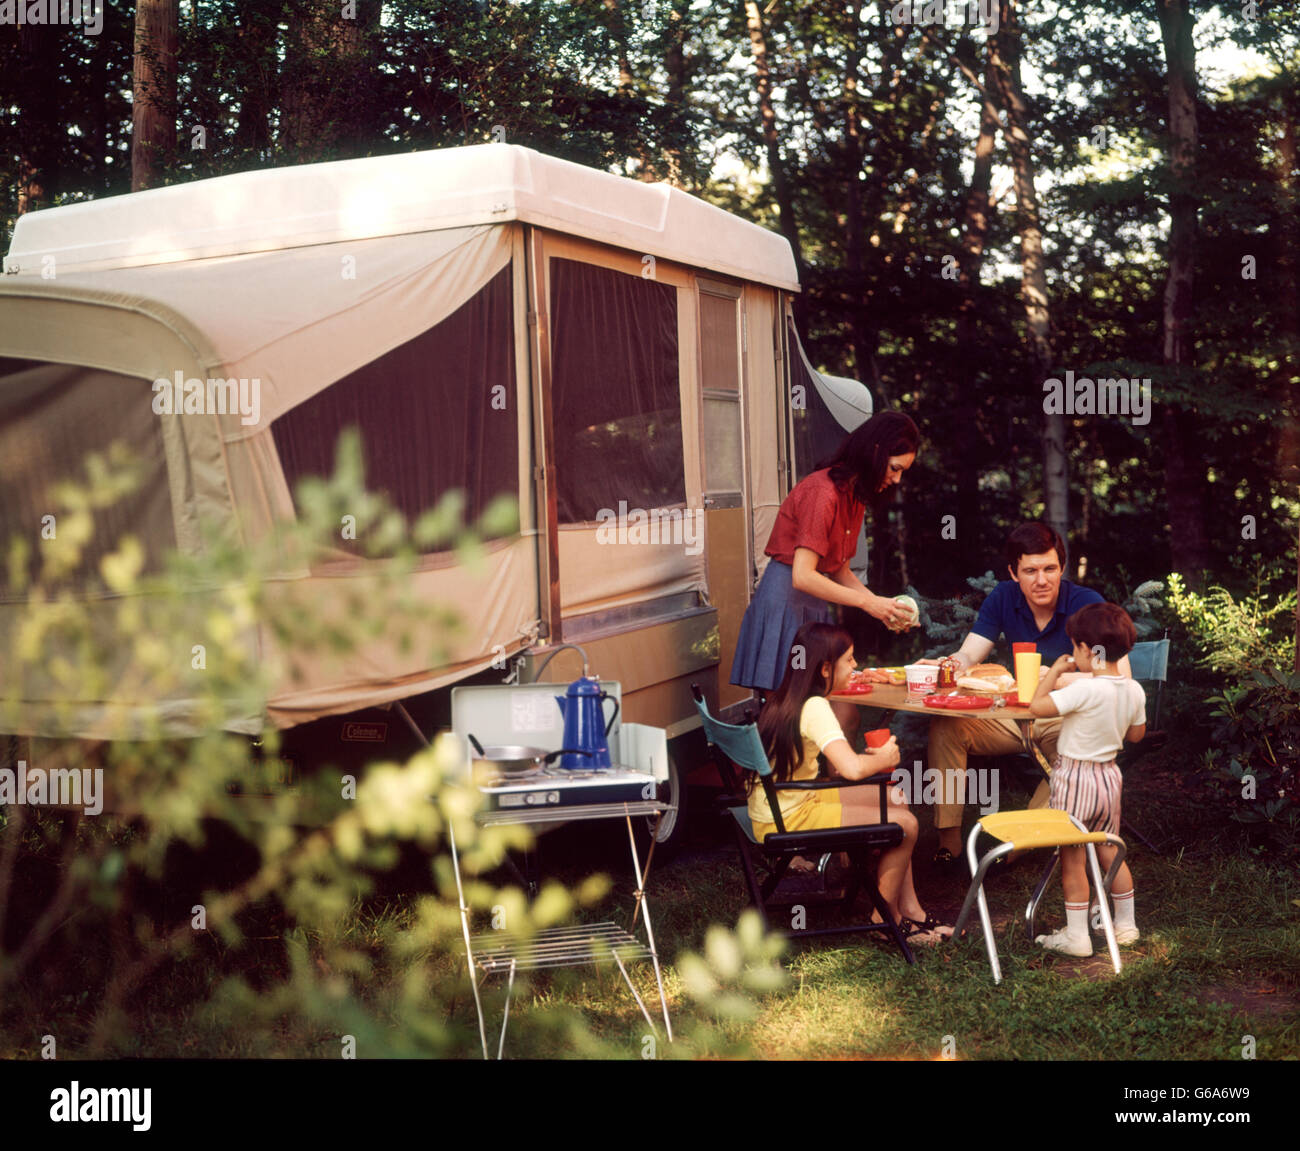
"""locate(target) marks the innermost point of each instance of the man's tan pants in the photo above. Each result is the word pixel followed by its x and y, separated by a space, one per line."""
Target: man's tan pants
pixel 952 740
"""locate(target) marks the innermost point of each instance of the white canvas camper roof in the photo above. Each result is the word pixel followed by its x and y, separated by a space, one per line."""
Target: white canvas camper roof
pixel 413 192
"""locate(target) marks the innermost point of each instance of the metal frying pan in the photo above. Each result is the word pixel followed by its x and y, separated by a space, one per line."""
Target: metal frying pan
pixel 517 760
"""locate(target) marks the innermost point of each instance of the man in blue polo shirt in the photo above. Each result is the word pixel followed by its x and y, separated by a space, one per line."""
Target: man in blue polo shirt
pixel 1031 607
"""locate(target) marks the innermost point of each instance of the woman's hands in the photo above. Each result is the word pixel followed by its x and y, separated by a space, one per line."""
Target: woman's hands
pixel 888 611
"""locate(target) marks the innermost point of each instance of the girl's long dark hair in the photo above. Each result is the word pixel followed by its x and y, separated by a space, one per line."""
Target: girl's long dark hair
pixel 815 644
pixel 860 464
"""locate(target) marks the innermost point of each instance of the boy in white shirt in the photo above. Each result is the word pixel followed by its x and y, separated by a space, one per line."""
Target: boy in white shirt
pixel 1099 714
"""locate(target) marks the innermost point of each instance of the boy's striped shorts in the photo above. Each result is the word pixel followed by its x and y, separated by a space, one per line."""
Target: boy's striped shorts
pixel 1090 790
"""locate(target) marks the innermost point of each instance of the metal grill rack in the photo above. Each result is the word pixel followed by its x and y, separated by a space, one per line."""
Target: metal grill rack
pixel 558 947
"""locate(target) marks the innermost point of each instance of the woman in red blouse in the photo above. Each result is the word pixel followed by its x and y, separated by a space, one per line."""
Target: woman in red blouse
pixel 814 538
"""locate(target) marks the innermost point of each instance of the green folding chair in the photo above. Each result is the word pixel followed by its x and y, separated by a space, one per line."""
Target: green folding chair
pixel 741 747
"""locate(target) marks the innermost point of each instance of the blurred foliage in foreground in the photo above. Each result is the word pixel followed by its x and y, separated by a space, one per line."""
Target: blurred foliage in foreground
pixel 83 944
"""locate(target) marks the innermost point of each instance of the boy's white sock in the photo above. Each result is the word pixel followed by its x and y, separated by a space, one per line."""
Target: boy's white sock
pixel 1076 920
pixel 1123 910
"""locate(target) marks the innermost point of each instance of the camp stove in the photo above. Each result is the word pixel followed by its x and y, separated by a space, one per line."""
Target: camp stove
pixel 533 715
pixel 561 787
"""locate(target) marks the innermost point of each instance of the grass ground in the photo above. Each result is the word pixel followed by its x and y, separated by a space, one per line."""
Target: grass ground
pixel 1219 961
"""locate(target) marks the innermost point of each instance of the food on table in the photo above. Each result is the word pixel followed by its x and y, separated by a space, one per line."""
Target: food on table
pixel 914 611
pixel 922 678
pixel 957 702
pixel 988 679
pixel 994 686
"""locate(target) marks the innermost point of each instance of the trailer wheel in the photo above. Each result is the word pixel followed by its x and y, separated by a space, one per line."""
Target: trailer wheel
pixel 672 823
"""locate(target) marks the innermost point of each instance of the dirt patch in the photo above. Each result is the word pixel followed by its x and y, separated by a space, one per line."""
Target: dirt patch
pixel 1097 966
pixel 1261 1000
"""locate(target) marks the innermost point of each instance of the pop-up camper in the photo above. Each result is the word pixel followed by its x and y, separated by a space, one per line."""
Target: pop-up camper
pixel 617 355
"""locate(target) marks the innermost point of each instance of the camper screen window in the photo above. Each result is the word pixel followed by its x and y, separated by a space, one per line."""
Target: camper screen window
pixel 52 417
pixel 430 413
pixel 615 395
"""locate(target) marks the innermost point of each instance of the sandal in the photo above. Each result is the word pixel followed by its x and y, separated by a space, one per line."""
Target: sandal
pixel 932 929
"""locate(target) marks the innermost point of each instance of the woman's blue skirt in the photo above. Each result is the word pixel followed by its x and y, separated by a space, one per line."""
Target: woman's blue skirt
pixel 767 632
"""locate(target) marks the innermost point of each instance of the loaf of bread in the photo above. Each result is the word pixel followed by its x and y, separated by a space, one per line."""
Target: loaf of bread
pixel 989 671
pixel 989 684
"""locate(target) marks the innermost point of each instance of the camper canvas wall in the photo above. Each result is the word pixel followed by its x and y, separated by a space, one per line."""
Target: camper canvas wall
pixel 683 527
pixel 213 397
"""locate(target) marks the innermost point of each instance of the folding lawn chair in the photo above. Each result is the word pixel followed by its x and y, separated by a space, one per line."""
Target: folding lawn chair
pixel 741 747
pixel 1024 831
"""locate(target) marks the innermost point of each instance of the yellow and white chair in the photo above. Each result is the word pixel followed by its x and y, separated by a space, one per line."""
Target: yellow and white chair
pixel 1025 831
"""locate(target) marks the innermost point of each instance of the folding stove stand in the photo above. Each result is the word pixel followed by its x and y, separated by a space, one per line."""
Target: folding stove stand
pixel 561 946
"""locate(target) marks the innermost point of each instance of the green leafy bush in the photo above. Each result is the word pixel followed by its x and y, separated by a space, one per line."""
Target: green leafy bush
pixel 82 945
pixel 1235 634
pixel 1254 758
pixel 1253 761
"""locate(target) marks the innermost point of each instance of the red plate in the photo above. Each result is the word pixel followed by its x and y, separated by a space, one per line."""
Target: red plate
pixel 855 689
pixel 957 702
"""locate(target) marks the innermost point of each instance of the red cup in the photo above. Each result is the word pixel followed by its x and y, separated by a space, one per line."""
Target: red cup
pixel 1015 647
pixel 878 738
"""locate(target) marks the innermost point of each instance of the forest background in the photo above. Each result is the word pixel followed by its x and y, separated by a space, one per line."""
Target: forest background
pixel 980 199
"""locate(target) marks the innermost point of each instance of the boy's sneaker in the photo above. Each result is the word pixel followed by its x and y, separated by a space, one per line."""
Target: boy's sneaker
pixel 1126 935
pixel 1066 944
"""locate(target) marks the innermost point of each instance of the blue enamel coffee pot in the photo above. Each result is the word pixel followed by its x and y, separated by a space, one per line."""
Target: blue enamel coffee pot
pixel 585 728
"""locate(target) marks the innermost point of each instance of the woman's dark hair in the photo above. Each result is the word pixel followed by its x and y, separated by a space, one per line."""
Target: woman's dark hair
pixel 814 644
pixel 863 458
pixel 1103 625
pixel 1034 538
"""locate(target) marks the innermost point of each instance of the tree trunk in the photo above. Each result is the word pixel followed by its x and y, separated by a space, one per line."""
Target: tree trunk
pixel 1288 242
pixel 327 72
pixel 153 113
pixel 1289 297
pixel 257 42
pixel 771 143
pixel 37 122
pixel 863 331
pixel 616 24
pixel 678 69
pixel 1185 480
pixel 976 216
pixel 1005 60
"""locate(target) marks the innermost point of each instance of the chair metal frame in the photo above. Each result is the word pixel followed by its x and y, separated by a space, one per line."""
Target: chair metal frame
pixel 979 869
pixel 741 747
